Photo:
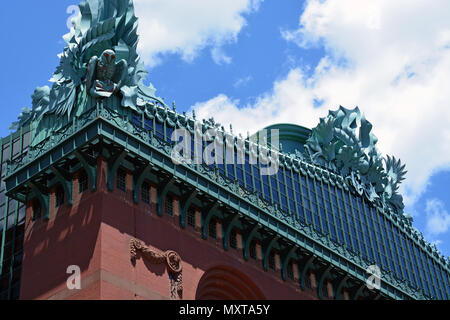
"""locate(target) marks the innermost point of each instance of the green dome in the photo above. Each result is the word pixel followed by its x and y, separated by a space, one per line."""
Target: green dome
pixel 291 136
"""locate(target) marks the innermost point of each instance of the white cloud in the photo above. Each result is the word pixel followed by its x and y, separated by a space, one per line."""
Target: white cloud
pixel 241 82
pixel 437 243
pixel 185 27
pixel 390 58
pixel 438 218
pixel 219 56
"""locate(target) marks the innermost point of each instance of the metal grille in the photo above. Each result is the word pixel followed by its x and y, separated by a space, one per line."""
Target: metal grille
pixel 272 264
pixel 290 271
pixel 233 239
pixel 82 181
pixel 191 218
pixel 252 250
pixel 121 180
pixel 145 193
pixel 213 229
pixel 59 196
pixel 169 206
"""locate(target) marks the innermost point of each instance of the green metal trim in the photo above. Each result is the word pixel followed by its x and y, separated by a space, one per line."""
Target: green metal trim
pixel 359 226
pixel 373 241
pixel 327 212
pixel 207 214
pixel 412 257
pixel 269 182
pixel 299 165
pixel 195 183
pixel 227 226
pixel 278 189
pixel 350 225
pixel 251 233
pixel 325 274
pixel 296 211
pixel 285 258
pixel 267 246
pixel 138 180
pixel 285 172
pixel 90 169
pixel 396 256
pixel 309 199
pixel 185 203
pixel 317 185
pixel 338 292
pixel 231 195
pixel 162 191
pixel 360 292
pixel 159 154
pixel 113 165
pixel 66 181
pixel 43 195
pixel 308 265
pixel 339 216
pixel 41 160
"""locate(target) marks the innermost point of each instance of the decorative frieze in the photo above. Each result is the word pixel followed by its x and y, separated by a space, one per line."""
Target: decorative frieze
pixel 170 258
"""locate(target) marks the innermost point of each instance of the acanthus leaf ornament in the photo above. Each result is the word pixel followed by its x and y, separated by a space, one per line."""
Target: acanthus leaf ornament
pixel 100 61
pixel 343 142
pixel 170 258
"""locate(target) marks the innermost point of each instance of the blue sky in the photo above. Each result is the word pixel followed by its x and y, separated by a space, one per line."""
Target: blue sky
pixel 253 62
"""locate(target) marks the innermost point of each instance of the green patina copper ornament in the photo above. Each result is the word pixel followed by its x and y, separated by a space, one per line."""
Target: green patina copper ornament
pixel 105 76
pixel 100 61
pixel 98 99
pixel 343 142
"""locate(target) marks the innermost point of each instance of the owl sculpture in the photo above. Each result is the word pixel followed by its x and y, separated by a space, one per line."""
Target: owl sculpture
pixel 104 75
pixel 106 27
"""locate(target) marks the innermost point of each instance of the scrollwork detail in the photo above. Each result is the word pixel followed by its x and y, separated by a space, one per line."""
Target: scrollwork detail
pixel 170 258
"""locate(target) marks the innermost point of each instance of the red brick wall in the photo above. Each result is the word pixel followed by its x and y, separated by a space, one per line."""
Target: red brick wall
pixel 95 234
